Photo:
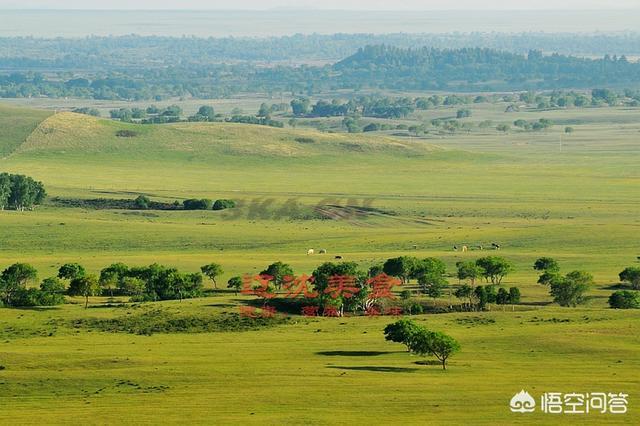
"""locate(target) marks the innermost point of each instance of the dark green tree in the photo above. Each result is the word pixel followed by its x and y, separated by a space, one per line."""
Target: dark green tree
pixel 631 275
pixel 15 278
pixel 570 290
pixel 401 331
pixel 440 345
pixel 494 268
pixel 235 283
pixel 401 267
pixel 624 299
pixel 279 272
pixel 71 271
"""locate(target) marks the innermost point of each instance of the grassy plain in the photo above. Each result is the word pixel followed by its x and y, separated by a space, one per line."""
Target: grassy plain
pixel 518 189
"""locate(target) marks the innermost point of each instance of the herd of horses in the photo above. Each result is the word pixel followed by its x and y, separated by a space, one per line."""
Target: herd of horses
pixel 494 246
pixel 321 251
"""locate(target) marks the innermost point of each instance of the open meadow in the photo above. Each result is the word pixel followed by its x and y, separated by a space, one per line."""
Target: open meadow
pixel 365 197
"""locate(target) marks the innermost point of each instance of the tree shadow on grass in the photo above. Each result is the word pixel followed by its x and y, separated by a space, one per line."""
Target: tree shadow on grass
pixel 352 353
pixel 220 305
pixel 428 362
pixel 618 286
pixel 545 303
pixel 376 369
pixel 37 308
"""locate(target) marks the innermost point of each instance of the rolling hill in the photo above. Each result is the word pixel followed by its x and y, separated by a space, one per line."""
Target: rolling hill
pixel 66 133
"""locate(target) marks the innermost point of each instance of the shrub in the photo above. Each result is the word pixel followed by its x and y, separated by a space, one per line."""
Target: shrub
pixel 195 204
pixel 223 204
pixel 126 134
pixel 142 202
pixel 624 300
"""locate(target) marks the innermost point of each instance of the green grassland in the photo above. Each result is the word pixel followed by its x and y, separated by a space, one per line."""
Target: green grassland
pixel 428 194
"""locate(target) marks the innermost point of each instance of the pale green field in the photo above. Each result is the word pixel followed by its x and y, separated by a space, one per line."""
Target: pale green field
pixel 579 205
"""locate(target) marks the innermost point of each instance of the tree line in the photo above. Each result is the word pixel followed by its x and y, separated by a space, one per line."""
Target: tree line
pixel 379 67
pixel 158 282
pixel 147 283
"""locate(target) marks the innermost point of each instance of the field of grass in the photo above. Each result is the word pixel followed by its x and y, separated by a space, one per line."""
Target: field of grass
pixel 579 205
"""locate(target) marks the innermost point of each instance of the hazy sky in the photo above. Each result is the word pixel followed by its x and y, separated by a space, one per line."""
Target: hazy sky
pixel 323 4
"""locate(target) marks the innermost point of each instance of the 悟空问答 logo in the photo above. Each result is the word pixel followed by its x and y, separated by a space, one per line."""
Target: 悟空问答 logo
pixel 522 402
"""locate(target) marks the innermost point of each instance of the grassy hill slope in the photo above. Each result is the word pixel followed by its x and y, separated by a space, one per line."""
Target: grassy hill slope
pixel 68 132
pixel 16 124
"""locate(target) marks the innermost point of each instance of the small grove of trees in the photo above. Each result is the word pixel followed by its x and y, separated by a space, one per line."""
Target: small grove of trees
pixel 20 192
pixel 541 124
pixel 300 106
pixel 479 297
pixel 152 283
pixel 421 341
pixel 342 301
pixel 568 290
pixel 494 268
pixel 14 291
pixel 205 113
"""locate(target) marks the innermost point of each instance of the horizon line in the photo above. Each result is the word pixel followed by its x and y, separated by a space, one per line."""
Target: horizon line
pixel 312 9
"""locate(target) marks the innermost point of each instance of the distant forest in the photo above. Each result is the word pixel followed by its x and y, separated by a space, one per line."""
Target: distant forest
pixel 156 68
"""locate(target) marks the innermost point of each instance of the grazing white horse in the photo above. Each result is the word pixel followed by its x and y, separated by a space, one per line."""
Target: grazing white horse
pixel 464 249
pixel 310 252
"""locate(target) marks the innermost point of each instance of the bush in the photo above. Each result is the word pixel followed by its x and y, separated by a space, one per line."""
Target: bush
pixel 142 202
pixel 195 204
pixel 371 127
pixel 624 300
pixel 223 204
pixel 126 134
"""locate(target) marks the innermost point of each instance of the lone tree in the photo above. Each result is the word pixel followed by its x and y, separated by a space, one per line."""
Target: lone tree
pixel 631 275
pixel 401 331
pixel 440 345
pixel 280 273
pixel 85 286
pixel 212 271
pixel 570 289
pixel 235 283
